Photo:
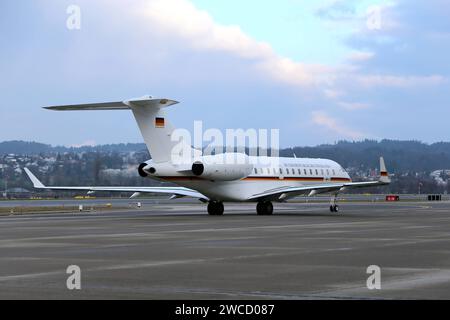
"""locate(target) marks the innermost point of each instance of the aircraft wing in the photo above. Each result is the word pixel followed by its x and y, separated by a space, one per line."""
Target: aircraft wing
pixel 177 191
pixel 284 193
pixel 281 194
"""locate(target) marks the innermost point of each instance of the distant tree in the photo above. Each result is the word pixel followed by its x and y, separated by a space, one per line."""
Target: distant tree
pixel 97 168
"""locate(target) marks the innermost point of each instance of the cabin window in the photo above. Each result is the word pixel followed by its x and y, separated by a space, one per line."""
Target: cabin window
pixel 287 171
pixel 256 171
pixel 328 172
pixel 268 171
pixel 281 171
pixel 334 173
pixel 299 172
pixel 274 171
pixel 304 170
pixel 310 171
pixel 321 171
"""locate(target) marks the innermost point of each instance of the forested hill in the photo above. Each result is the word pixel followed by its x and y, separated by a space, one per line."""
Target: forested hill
pixel 401 156
pixel 30 148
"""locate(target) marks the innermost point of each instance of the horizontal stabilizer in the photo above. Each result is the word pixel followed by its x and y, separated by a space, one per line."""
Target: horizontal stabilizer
pixel 91 106
pixel 117 105
pixel 150 116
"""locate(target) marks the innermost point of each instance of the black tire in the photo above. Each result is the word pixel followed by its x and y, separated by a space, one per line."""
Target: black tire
pixel 211 209
pixel 269 207
pixel 334 208
pixel 259 210
pixel 220 209
pixel 264 208
pixel 215 208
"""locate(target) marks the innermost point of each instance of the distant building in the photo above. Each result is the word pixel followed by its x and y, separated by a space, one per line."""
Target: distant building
pixel 19 193
pixel 440 176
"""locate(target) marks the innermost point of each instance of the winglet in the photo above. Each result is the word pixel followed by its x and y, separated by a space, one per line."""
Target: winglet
pixel 384 175
pixel 36 183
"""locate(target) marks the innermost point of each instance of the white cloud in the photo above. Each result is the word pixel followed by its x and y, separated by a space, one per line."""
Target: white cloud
pixel 322 119
pixel 336 10
pixel 333 94
pixel 357 56
pixel 182 18
pixel 400 81
pixel 353 105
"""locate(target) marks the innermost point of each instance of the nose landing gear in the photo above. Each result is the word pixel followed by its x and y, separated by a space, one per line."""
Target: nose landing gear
pixel 334 208
pixel 333 204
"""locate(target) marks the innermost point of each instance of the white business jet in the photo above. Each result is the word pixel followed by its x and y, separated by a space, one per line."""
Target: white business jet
pixel 214 181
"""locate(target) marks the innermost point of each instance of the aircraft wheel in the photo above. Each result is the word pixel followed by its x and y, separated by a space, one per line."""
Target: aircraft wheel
pixel 264 208
pixel 215 208
pixel 334 208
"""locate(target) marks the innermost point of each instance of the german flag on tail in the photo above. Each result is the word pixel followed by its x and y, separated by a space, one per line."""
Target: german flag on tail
pixel 159 122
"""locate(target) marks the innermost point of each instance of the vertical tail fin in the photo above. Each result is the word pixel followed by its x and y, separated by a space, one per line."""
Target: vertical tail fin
pixel 384 175
pixel 155 128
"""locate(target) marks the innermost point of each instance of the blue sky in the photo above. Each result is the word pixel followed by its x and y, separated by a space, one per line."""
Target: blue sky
pixel 320 71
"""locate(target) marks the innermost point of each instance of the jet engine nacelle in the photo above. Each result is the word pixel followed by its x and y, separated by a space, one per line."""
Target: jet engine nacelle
pixel 149 168
pixel 146 168
pixel 141 171
pixel 222 167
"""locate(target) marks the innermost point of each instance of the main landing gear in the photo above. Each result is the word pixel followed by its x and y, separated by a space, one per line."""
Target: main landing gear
pixel 215 208
pixel 264 208
pixel 333 204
